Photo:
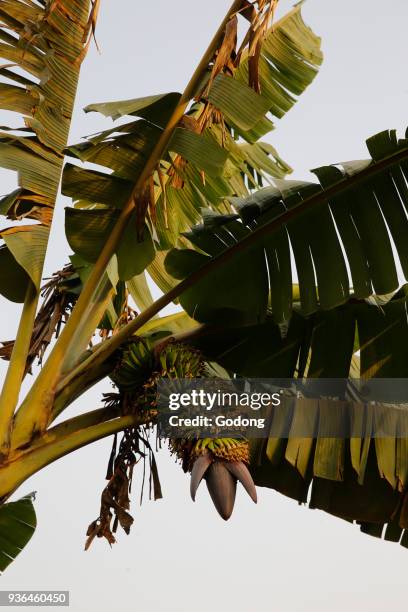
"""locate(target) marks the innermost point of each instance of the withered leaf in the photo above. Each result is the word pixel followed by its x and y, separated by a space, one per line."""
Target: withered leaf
pixel 226 53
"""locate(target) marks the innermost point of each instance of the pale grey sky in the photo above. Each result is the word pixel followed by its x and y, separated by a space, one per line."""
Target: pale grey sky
pixel 181 556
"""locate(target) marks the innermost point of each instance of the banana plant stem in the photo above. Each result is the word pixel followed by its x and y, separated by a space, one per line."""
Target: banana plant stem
pixel 63 440
pixel 16 370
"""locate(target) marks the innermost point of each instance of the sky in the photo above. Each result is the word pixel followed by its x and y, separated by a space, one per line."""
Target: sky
pixel 181 556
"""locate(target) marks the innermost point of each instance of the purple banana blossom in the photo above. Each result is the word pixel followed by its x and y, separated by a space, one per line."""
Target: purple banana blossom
pixel 221 478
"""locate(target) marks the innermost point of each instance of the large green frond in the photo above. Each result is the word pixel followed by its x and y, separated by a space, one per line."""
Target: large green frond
pixel 289 61
pixel 202 167
pixel 342 234
pixel 359 479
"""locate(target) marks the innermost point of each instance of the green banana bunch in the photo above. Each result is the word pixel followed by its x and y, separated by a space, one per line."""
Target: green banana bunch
pixel 222 462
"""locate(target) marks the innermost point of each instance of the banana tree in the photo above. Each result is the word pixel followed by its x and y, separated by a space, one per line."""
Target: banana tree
pixel 179 200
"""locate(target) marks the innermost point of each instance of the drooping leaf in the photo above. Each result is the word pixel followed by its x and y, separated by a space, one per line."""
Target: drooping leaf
pixel 95 187
pixel 88 230
pixel 358 479
pixel 347 229
pixel 13 278
pixel 40 43
pixel 140 291
pixel 229 298
pixel 290 58
pixel 28 244
pixel 201 151
pixel 17 525
pixel 157 272
pixel 156 109
pixel 135 252
pixel 125 153
pixel 240 104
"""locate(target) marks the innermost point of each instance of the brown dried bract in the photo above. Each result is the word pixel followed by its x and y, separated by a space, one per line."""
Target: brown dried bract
pixel 226 55
pixel 55 310
pixel 115 500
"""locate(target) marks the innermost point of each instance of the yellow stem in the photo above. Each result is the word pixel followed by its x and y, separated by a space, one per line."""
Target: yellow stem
pixel 62 440
pixel 16 369
pixel 11 389
pixel 34 413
